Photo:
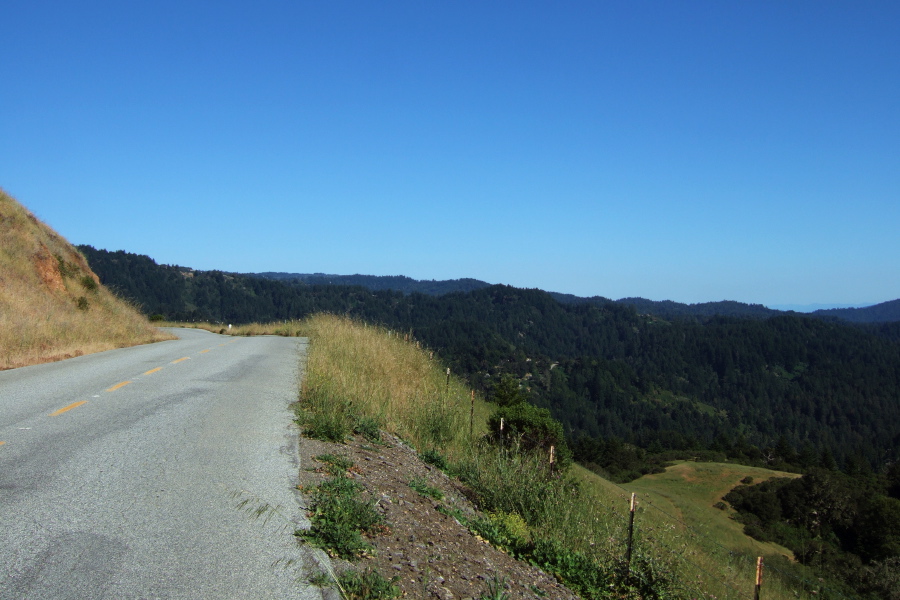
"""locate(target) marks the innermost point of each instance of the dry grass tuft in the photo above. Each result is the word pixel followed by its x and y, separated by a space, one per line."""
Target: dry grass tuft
pixel 51 304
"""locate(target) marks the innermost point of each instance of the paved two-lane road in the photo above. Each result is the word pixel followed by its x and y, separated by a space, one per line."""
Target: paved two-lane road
pixel 121 473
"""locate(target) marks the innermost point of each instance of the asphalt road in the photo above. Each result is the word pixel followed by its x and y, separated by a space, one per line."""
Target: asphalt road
pixel 137 473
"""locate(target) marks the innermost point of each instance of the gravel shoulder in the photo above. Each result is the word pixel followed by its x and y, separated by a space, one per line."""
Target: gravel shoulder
pixel 432 554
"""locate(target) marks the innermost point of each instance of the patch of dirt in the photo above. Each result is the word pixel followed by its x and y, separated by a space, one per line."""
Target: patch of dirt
pixel 432 554
pixel 48 269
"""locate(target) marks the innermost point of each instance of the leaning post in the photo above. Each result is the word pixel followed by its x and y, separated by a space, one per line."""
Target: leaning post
pixel 630 536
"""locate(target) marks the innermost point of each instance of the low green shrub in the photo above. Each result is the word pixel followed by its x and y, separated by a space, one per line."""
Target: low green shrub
pixel 516 482
pixel 335 465
pixel 423 489
pixel 496 589
pixel 88 283
pixel 435 459
pixel 324 417
pixel 368 585
pixel 576 569
pixel 339 517
pixel 369 428
pixel 531 429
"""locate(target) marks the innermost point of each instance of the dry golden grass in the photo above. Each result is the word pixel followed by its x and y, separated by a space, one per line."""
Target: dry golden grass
pixel 356 370
pixel 385 375
pixel 51 304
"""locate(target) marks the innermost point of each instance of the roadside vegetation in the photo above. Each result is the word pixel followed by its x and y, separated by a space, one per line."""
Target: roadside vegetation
pixel 52 305
pixel 565 519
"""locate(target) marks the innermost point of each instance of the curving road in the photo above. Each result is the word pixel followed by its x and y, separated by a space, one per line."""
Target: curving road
pixel 136 473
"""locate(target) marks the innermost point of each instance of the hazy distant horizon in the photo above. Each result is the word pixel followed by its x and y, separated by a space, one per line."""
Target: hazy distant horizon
pixel 796 307
pixel 808 308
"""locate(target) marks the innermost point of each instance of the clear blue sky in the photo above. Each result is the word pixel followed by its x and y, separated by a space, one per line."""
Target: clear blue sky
pixel 692 151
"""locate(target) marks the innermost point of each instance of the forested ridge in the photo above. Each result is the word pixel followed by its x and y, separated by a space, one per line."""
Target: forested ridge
pixel 743 387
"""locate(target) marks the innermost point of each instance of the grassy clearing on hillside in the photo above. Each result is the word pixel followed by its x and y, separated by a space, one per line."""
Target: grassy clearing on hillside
pixel 51 304
pixel 690 491
pixel 677 515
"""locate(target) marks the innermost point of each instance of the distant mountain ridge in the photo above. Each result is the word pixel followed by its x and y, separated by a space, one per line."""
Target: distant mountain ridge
pixel 885 312
pixel 396 283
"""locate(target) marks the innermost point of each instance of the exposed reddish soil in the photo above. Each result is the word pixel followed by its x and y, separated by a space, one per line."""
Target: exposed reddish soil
pixel 48 269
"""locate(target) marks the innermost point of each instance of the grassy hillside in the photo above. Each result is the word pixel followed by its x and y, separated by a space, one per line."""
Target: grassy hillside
pixel 52 305
pixel 677 515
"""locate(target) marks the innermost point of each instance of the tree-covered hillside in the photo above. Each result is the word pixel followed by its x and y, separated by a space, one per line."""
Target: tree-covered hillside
pixel 821 388
pixel 879 313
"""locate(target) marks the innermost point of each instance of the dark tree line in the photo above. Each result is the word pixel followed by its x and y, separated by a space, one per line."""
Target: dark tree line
pixel 845 529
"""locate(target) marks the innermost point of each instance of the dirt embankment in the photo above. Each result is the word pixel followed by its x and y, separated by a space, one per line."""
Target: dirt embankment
pixel 432 554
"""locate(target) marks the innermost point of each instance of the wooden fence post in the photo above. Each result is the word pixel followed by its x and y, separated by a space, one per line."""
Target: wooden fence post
pixel 630 536
pixel 448 379
pixel 759 570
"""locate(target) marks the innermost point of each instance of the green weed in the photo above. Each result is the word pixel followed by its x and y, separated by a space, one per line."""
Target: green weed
pixel 361 585
pixel 368 428
pixel 88 283
pixel 496 589
pixel 420 485
pixel 324 418
pixel 435 459
pixel 340 516
pixel 335 465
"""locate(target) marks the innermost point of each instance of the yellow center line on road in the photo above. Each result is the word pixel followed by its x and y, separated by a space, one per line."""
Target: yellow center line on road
pixel 151 371
pixel 117 386
pixel 205 351
pixel 1 443
pixel 68 408
pixel 175 362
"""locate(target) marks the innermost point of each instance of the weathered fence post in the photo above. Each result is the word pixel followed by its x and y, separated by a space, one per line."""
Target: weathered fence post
pixel 448 379
pixel 759 570
pixel 630 537
pixel 472 416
